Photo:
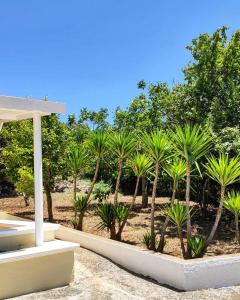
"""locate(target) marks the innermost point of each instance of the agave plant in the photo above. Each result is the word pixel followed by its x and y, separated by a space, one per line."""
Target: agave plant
pixel 225 171
pixel 157 146
pixel 177 171
pixel 177 214
pixel 122 146
pixel 232 203
pixel 106 213
pixel 191 143
pixel 81 205
pixel 197 244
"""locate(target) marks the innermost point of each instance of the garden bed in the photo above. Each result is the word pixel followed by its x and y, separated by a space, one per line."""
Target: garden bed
pixel 137 225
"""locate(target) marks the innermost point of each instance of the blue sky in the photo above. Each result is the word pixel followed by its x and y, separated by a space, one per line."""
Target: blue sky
pixel 92 53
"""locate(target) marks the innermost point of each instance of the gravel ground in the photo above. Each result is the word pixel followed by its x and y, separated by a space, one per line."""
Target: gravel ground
pixel 98 278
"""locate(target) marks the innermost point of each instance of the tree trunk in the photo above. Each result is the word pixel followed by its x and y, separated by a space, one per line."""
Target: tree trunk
pixel 152 244
pixel 26 200
pixel 94 178
pixel 119 233
pixel 80 222
pixel 144 192
pixel 237 228
pixel 218 217
pixel 49 201
pixel 113 232
pixel 163 231
pixel 181 242
pixel 120 164
pixel 188 185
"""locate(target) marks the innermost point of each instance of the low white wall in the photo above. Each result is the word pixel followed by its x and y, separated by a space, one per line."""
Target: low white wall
pixel 215 272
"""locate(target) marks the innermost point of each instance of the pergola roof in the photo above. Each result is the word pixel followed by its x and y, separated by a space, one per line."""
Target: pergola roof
pixel 14 108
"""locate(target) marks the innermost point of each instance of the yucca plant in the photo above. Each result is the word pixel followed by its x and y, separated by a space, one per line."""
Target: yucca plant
pixel 122 146
pixel 106 213
pixel 141 165
pixel 120 213
pixel 197 244
pixel 157 146
pixel 177 214
pixel 147 238
pixel 232 203
pixel 81 205
pixel 76 161
pixel 191 143
pixel 177 171
pixel 97 143
pixel 224 171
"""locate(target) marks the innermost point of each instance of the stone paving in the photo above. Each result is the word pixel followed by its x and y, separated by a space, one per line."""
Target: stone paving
pixel 98 278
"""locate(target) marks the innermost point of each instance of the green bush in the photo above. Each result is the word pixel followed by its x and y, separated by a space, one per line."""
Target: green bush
pixel 197 244
pixel 25 184
pixel 101 191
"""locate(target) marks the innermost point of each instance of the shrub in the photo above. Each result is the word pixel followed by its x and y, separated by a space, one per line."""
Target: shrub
pixel 101 191
pixel 80 206
pixel 25 184
pixel 147 238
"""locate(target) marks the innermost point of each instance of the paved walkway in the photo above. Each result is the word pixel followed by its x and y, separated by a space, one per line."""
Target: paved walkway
pixel 98 278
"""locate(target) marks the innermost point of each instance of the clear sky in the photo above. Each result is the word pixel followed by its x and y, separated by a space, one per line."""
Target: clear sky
pixel 93 52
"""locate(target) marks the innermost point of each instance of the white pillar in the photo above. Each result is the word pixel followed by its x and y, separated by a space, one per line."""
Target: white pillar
pixel 38 180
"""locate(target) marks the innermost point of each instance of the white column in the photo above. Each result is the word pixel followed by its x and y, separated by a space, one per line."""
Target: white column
pixel 38 180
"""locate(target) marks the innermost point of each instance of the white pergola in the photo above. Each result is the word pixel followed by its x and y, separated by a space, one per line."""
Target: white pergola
pixel 15 109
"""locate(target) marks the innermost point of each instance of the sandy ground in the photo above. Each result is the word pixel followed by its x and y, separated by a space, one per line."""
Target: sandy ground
pixel 138 222
pixel 97 278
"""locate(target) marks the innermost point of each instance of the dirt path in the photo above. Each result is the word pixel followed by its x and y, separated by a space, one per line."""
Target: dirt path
pixel 98 278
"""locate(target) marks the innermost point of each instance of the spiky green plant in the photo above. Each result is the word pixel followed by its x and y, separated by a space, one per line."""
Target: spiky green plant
pixel 97 143
pixel 177 171
pixel 224 171
pixel 191 143
pixel 120 213
pixel 122 145
pixel 147 238
pixel 81 205
pixel 177 214
pixel 197 244
pixel 157 146
pixel 232 203
pixel 76 161
pixel 106 213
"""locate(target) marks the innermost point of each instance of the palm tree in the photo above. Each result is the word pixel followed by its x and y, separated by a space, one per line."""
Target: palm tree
pixel 224 171
pixel 141 165
pixel 122 146
pixel 232 203
pixel 177 171
pixel 177 213
pixel 98 144
pixel 76 160
pixel 190 143
pixel 157 146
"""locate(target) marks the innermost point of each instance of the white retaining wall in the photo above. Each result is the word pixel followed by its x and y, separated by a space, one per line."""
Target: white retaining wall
pixel 182 274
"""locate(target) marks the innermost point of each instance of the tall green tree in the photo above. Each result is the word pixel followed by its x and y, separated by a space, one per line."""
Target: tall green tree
pixel 157 146
pixel 224 171
pixel 191 143
pixel 122 146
